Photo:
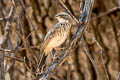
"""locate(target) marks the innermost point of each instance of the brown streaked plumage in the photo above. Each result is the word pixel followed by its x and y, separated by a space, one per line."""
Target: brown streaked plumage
pixel 56 35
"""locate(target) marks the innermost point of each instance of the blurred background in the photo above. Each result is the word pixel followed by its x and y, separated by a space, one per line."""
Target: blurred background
pixel 33 21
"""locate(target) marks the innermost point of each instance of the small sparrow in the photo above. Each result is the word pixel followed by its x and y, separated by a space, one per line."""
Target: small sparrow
pixel 56 36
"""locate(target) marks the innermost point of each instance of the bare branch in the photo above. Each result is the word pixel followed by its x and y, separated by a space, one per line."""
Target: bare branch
pixel 118 76
pixel 119 3
pixel 101 55
pixel 68 10
pixel 81 8
pixel 29 20
pixel 8 16
pixel 105 13
pixel 15 58
pixel 91 59
pixel 6 35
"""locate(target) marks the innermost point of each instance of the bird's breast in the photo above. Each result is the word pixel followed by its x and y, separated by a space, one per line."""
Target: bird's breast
pixel 58 39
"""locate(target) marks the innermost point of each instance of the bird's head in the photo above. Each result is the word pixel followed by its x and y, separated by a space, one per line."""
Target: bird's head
pixel 63 17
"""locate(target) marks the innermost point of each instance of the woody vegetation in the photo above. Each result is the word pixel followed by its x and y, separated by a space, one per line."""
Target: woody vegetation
pixel 91 52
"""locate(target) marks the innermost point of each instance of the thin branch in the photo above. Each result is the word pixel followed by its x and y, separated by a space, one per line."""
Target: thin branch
pixel 81 9
pixel 118 76
pixel 91 59
pixel 101 55
pixel 29 20
pixel 15 58
pixel 119 3
pixel 8 16
pixel 5 50
pixel 18 49
pixel 6 35
pixel 105 13
pixel 25 41
pixel 12 61
pixel 68 11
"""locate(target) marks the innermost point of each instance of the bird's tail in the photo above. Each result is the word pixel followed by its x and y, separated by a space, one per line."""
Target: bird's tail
pixel 41 63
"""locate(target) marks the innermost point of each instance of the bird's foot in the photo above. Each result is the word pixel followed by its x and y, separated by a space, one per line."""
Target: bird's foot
pixel 53 55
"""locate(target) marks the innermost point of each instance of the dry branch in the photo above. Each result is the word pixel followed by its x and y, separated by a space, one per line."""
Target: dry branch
pixel 4 41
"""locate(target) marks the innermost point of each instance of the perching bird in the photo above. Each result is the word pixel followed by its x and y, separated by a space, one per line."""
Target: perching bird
pixel 57 35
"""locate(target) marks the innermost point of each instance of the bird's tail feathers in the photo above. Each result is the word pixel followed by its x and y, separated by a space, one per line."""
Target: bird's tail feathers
pixel 41 63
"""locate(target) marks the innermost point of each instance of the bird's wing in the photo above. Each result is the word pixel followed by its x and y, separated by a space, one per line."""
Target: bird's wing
pixel 52 32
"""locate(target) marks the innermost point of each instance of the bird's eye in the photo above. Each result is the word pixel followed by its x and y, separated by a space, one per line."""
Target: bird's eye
pixel 63 16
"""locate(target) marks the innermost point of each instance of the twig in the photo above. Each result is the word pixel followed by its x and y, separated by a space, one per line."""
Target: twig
pixel 8 16
pixel 6 35
pixel 76 37
pixel 68 10
pixel 25 41
pixel 81 9
pixel 118 76
pixel 119 3
pixel 12 61
pixel 29 20
pixel 18 49
pixel 91 59
pixel 15 58
pixel 101 52
pixel 5 50
pixel 105 13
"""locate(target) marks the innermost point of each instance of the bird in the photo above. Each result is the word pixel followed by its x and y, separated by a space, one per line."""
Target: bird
pixel 57 35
